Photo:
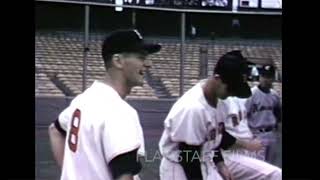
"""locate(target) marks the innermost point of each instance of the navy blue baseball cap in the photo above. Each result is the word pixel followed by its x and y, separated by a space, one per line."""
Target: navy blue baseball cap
pixel 127 41
pixel 268 70
pixel 233 70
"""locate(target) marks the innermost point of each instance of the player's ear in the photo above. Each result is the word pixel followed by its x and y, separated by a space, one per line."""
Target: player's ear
pixel 217 77
pixel 117 61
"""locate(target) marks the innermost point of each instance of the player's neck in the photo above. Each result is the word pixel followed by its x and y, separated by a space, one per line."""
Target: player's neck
pixel 209 93
pixel 264 89
pixel 117 84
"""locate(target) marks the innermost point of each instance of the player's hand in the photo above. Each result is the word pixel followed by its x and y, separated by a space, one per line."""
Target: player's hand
pixel 254 145
pixel 224 171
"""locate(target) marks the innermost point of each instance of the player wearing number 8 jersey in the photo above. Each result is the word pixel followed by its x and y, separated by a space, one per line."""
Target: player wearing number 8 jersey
pixel 98 136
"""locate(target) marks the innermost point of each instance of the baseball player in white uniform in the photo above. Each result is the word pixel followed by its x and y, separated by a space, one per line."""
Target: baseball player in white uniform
pixel 194 127
pixel 264 113
pixel 99 136
pixel 242 164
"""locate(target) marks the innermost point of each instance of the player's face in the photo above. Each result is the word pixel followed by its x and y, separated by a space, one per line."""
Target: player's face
pixel 222 91
pixel 221 88
pixel 135 67
pixel 266 81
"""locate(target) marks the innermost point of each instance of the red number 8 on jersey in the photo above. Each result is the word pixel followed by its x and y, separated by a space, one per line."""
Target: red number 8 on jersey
pixel 74 130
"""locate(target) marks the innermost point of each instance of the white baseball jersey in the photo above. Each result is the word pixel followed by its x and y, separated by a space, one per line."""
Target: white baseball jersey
pixel 260 107
pixel 193 121
pixel 100 125
pixel 236 122
pixel 240 162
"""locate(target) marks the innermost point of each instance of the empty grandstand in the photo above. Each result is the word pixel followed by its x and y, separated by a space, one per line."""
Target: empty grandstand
pixel 59 58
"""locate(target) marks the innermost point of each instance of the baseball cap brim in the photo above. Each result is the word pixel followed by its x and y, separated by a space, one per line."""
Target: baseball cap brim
pixel 241 90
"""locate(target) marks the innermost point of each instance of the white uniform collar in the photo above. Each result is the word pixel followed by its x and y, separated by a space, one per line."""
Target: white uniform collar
pixel 106 88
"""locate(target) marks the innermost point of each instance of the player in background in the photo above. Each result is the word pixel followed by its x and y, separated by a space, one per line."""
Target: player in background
pixel 99 135
pixel 264 113
pixel 194 127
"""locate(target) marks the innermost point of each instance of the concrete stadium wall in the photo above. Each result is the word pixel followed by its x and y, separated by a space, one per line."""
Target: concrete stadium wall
pixel 48 109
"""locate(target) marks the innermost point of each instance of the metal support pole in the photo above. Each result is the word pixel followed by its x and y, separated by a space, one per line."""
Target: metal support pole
pixel 203 63
pixel 86 47
pixel 182 51
pixel 133 18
